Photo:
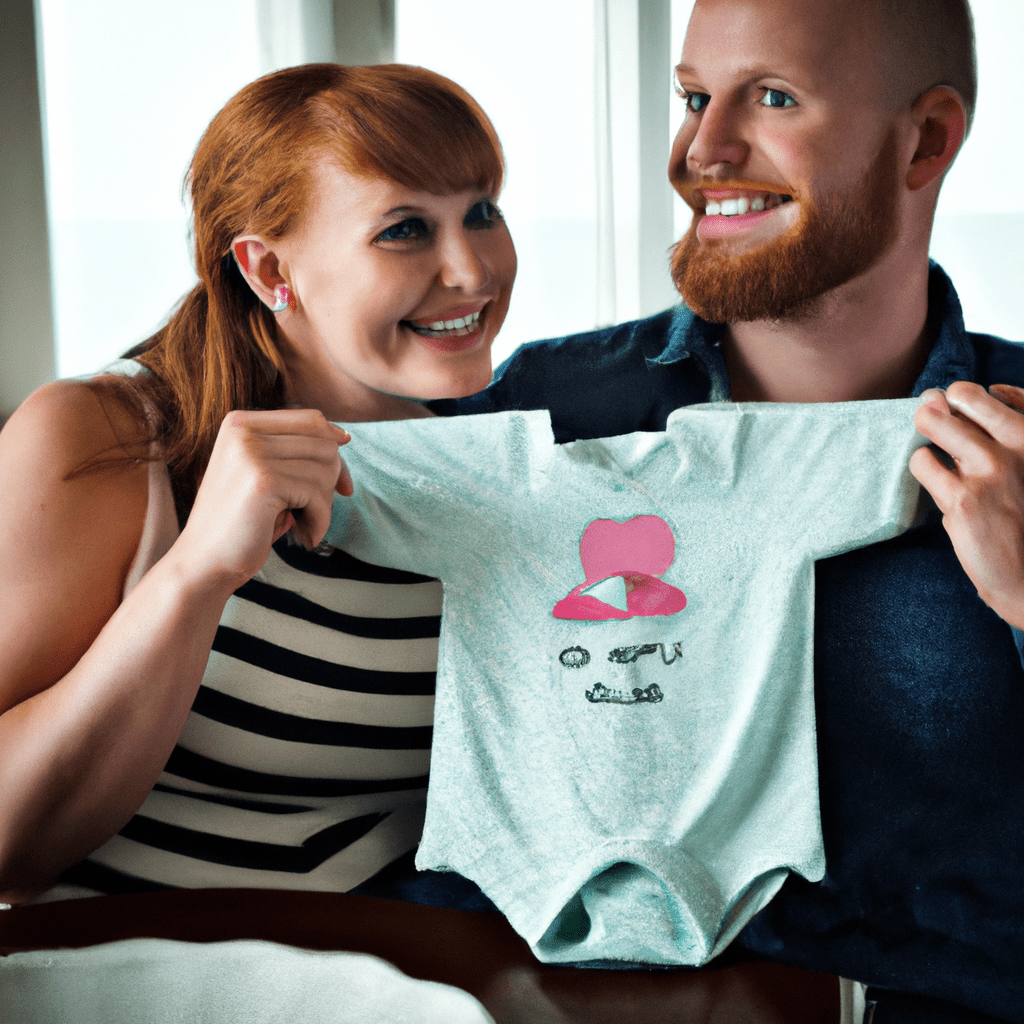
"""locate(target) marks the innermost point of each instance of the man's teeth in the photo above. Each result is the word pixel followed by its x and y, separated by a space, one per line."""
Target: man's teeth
pixel 460 323
pixel 738 207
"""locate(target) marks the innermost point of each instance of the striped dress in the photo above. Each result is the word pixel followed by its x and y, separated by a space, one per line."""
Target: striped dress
pixel 303 762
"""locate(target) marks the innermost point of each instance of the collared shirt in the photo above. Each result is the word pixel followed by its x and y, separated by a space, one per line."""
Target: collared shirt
pixel 617 380
pixel 919 689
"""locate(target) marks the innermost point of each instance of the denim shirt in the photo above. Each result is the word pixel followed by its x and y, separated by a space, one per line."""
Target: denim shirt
pixel 617 380
pixel 919 691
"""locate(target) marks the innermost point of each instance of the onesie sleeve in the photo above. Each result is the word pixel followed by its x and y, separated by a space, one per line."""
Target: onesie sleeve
pixel 862 470
pixel 851 485
pixel 429 491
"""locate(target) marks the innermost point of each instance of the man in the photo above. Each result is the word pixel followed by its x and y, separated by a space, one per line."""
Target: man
pixel 814 143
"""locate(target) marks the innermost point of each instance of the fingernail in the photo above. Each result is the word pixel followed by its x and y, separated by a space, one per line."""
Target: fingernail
pixel 932 395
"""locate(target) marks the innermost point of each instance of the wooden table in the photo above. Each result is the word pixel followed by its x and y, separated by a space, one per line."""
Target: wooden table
pixel 476 952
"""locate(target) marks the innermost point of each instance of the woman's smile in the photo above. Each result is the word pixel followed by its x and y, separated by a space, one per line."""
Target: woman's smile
pixel 449 327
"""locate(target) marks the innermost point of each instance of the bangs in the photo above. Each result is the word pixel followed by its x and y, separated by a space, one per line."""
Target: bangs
pixel 415 127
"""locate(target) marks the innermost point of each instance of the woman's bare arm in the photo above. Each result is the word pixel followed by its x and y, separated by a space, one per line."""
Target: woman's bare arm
pixel 94 691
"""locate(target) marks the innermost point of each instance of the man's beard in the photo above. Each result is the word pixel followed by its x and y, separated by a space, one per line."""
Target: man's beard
pixel 836 238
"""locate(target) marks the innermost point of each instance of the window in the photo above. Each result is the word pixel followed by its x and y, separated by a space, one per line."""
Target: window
pixel 587 198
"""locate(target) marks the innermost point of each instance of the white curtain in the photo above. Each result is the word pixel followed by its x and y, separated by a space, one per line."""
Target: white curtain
pixel 129 87
pixel 632 88
pixel 292 32
pixel 303 31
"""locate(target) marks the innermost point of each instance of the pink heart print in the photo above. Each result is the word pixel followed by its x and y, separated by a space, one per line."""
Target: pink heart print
pixel 638 551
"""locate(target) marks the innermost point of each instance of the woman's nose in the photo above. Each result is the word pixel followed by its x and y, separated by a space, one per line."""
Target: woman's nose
pixel 462 265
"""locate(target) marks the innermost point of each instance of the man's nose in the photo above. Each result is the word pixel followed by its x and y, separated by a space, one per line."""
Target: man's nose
pixel 718 139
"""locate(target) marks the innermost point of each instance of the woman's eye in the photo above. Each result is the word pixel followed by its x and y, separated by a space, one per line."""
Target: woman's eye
pixel 694 102
pixel 776 98
pixel 484 214
pixel 412 229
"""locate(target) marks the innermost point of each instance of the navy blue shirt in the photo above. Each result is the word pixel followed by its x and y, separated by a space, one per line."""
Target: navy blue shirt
pixel 918 685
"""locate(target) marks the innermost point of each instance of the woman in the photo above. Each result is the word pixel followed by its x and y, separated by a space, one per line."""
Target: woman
pixel 352 264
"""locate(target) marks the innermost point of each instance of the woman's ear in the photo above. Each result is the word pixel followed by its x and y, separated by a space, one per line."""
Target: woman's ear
pixel 940 118
pixel 259 266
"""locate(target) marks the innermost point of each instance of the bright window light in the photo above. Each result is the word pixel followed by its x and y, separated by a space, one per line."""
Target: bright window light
pixel 129 87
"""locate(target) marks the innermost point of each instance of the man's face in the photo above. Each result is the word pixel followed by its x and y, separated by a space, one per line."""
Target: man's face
pixel 787 156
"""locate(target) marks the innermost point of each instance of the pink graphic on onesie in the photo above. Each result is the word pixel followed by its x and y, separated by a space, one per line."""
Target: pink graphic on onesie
pixel 622 563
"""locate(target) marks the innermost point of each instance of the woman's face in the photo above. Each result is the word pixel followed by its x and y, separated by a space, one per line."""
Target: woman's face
pixel 397 293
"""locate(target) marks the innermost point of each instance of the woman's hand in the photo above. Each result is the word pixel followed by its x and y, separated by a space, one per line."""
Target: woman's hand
pixel 981 495
pixel 269 471
pixel 94 689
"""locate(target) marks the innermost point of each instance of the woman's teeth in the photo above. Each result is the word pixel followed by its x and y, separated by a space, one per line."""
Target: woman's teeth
pixel 460 325
pixel 737 207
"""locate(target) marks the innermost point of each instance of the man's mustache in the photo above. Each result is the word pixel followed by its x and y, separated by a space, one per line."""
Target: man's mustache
pixel 691 190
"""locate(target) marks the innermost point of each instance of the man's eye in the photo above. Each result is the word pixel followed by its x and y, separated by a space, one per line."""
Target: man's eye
pixel 412 229
pixel 776 98
pixel 694 102
pixel 484 214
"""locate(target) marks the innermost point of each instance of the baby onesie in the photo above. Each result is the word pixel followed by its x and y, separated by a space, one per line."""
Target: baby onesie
pixel 624 753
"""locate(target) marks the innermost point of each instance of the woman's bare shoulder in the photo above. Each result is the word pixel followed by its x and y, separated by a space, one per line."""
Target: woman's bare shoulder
pixel 70 422
pixel 67 534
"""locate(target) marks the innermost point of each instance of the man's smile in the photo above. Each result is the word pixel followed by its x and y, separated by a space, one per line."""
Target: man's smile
pixel 730 212
pixel 734 202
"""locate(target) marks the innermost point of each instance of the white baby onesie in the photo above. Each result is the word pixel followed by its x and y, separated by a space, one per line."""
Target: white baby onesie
pixel 624 754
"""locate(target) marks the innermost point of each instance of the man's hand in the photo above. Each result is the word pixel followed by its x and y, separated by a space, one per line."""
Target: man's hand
pixel 981 494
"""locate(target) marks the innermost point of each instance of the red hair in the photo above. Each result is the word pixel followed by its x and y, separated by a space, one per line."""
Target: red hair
pixel 252 173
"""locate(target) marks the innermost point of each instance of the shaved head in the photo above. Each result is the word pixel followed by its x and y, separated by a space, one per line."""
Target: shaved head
pixel 928 43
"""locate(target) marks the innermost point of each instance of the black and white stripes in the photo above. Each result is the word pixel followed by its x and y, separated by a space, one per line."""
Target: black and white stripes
pixel 303 763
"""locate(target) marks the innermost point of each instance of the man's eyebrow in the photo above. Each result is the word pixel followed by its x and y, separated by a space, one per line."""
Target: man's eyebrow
pixel 744 74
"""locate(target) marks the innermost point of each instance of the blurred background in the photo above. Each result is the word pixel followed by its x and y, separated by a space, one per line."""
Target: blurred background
pixel 104 103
